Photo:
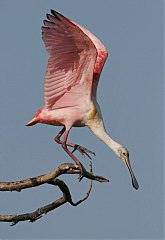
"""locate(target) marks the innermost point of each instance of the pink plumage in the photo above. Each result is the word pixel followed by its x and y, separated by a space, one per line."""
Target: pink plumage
pixel 75 56
pixel 76 59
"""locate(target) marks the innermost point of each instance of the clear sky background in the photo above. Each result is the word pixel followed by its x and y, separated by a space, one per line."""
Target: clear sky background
pixel 130 95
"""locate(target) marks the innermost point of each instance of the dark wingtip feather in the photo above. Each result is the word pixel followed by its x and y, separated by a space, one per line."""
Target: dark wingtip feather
pixel 55 14
pixel 44 28
pixel 48 23
pixel 44 21
pixel 47 15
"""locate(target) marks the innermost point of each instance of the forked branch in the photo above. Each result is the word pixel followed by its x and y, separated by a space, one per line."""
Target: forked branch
pixel 49 178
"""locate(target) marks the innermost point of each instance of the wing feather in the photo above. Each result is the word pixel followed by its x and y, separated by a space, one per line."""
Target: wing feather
pixel 72 60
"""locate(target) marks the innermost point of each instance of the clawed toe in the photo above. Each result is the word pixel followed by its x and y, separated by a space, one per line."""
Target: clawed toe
pixel 82 170
pixel 80 177
pixel 84 151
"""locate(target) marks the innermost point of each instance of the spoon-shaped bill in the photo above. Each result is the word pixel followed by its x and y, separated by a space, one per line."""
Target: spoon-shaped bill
pixel 134 181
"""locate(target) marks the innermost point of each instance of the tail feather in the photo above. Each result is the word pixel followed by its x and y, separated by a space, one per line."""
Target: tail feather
pixel 32 122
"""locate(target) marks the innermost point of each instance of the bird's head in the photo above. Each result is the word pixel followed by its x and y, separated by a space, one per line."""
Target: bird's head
pixel 124 156
pixel 35 119
pixel 123 153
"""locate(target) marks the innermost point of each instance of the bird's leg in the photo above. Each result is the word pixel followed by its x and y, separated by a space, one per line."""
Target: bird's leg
pixel 84 151
pixel 64 146
pixel 57 138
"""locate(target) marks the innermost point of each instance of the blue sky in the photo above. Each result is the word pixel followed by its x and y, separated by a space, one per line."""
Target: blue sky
pixel 130 94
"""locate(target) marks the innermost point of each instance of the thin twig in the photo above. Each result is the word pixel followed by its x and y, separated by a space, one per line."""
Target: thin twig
pixel 88 192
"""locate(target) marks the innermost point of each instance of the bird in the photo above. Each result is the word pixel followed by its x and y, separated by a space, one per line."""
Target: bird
pixel 75 61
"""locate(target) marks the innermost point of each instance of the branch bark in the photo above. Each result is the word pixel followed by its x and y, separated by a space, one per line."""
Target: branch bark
pixel 49 178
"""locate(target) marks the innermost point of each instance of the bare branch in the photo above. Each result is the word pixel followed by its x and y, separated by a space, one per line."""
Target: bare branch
pixel 65 168
pixel 49 178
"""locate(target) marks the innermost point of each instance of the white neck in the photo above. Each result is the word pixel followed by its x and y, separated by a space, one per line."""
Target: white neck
pixel 99 130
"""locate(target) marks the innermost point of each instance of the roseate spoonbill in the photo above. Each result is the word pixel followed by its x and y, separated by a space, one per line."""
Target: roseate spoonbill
pixel 76 59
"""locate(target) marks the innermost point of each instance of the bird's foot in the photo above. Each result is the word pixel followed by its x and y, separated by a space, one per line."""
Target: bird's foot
pixel 84 151
pixel 80 177
pixel 82 171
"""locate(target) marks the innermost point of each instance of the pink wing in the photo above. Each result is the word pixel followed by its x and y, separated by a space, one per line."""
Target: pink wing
pixel 102 55
pixel 73 56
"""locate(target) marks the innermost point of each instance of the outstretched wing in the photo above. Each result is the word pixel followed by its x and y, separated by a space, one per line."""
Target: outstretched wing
pixel 102 55
pixel 72 57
